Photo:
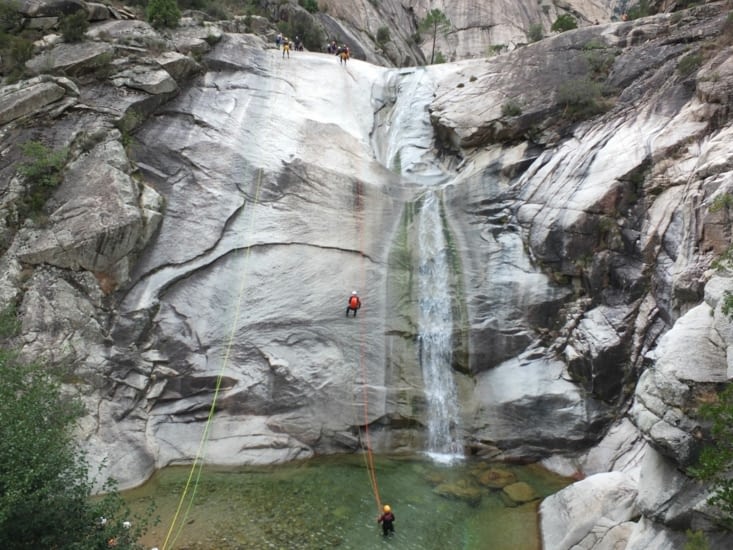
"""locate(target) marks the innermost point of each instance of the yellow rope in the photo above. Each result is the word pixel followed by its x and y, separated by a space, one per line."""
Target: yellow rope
pixel 197 465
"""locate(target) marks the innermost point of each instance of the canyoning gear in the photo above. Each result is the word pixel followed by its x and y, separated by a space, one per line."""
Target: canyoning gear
pixel 387 520
pixel 353 304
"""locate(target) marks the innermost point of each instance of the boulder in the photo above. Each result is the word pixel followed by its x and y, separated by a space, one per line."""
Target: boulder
pixel 50 8
pixel 72 59
pixel 28 97
pixel 520 492
pixel 587 511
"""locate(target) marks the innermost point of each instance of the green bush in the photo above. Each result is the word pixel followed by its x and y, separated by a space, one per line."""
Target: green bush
pixel 563 23
pixel 642 9
pixel 10 18
pixel 45 500
pixel 383 35
pixel 42 174
pixel 689 63
pixel 163 13
pixel 511 108
pixel 600 59
pixel 304 26
pixel 73 27
pixel 15 50
pixel 311 6
pixel 9 323
pixel 535 32
pixel 581 99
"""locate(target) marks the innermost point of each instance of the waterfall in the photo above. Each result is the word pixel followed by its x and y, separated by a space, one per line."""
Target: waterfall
pixel 404 143
pixel 435 336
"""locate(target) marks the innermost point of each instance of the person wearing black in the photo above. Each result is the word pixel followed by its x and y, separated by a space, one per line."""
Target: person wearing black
pixel 387 520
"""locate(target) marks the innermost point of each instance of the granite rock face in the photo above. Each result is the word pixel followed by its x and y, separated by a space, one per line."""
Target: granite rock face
pixel 212 216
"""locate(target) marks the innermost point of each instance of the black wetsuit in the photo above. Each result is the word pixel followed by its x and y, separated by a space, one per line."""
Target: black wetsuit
pixel 387 521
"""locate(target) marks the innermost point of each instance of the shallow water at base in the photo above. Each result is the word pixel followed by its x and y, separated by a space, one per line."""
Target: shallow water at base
pixel 328 503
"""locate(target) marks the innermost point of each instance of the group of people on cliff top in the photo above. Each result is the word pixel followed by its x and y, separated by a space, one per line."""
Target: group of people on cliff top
pixel 285 44
pixel 341 51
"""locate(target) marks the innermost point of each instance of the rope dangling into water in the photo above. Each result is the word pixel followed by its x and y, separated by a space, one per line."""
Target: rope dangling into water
pixel 366 440
pixel 194 476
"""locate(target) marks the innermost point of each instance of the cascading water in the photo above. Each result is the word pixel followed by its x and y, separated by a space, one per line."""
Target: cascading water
pixel 435 336
pixel 404 143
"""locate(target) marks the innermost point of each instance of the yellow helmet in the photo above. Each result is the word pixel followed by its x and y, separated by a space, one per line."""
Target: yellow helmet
pixel 387 508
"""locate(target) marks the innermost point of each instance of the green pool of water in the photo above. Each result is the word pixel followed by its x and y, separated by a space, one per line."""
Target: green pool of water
pixel 329 503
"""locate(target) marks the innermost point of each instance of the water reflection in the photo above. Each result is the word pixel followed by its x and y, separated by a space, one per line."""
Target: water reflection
pixel 328 503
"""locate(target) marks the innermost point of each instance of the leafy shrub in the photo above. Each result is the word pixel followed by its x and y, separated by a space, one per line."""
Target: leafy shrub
pixel 642 9
pixel 563 23
pixel 311 6
pixel 689 63
pixel 10 17
pixel 163 13
pixel 511 108
pixel 9 323
pixel 535 32
pixel 383 35
pixel 599 58
pixel 42 174
pixel 716 458
pixel 721 202
pixel 439 57
pixel 14 51
pixel 47 487
pixel 73 27
pixel 581 98
pixel 305 27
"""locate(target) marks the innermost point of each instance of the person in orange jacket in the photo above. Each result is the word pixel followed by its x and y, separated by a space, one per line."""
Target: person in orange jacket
pixel 353 304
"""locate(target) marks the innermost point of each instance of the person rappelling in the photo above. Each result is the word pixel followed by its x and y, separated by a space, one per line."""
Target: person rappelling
pixel 354 303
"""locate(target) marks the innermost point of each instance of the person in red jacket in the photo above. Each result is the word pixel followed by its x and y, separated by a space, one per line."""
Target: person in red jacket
pixel 353 304
pixel 387 520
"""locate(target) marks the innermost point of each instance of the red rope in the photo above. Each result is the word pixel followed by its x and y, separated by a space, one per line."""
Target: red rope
pixel 369 455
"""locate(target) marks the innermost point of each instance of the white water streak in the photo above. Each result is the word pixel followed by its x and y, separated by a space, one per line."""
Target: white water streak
pixel 436 330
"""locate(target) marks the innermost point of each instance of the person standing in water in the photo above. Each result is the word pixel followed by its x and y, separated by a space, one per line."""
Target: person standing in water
pixel 387 520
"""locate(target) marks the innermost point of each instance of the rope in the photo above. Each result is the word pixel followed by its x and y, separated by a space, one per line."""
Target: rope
pixel 367 452
pixel 197 465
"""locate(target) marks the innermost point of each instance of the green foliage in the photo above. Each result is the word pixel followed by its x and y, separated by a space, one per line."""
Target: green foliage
pixel 163 13
pixel 565 22
pixel 311 6
pixel 535 32
pixel 696 540
pixel 42 173
pixel 689 63
pixel 642 9
pixel 9 323
pixel 435 22
pixel 10 18
pixel 581 99
pixel 721 202
pixel 599 58
pixel 716 460
pixel 73 27
pixel 383 35
pixel 511 108
pixel 15 50
pixel 45 492
pixel 306 27
pixel 439 58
